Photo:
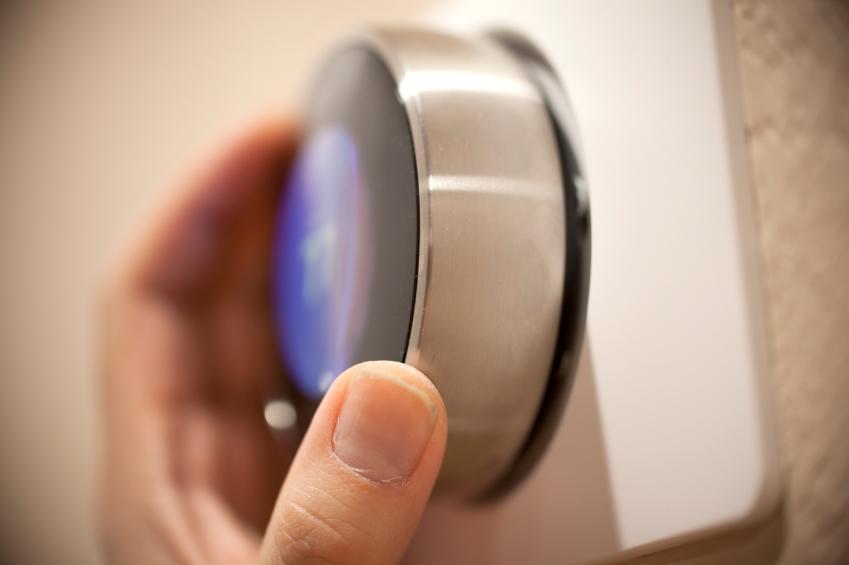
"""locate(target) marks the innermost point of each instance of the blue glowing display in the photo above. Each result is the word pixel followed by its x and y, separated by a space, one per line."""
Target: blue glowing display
pixel 322 261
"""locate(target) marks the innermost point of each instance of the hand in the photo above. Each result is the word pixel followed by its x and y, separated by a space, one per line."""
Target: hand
pixel 191 470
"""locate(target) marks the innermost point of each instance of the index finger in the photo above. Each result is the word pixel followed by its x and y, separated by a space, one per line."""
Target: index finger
pixel 176 257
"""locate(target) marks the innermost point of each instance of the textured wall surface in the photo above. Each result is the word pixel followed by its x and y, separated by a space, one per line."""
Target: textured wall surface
pixel 794 59
pixel 87 90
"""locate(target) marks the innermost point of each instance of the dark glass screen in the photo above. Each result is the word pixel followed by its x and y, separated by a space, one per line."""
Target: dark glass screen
pixel 346 239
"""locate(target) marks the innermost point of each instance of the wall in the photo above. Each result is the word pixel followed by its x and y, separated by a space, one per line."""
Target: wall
pixel 794 59
pixel 101 107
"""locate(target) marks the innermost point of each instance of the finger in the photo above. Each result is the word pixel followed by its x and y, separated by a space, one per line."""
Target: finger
pixel 364 472
pixel 211 231
pixel 178 256
pixel 177 253
pixel 156 361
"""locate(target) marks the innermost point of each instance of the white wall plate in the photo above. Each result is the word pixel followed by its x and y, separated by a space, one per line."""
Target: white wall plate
pixel 667 434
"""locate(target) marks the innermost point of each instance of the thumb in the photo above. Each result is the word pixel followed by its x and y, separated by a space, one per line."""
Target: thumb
pixel 364 471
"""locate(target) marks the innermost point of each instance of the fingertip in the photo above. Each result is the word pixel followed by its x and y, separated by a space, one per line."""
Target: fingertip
pixel 366 468
pixel 273 132
pixel 401 372
pixel 389 418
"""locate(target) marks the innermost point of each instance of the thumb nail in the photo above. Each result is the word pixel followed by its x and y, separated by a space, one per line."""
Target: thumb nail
pixel 383 427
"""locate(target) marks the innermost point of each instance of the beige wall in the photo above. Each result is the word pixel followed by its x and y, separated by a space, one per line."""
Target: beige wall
pixel 101 107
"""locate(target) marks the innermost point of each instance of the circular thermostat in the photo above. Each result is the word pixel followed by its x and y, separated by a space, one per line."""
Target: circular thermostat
pixel 436 215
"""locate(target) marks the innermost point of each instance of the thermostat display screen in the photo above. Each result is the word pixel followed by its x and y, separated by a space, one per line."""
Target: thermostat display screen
pixel 323 261
pixel 346 234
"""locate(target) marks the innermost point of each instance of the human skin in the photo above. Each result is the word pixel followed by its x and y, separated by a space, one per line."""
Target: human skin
pixel 191 471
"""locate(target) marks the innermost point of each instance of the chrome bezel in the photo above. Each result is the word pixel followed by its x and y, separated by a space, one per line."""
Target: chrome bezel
pixel 488 132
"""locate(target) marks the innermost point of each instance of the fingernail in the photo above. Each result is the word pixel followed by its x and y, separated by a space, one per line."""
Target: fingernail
pixel 383 427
